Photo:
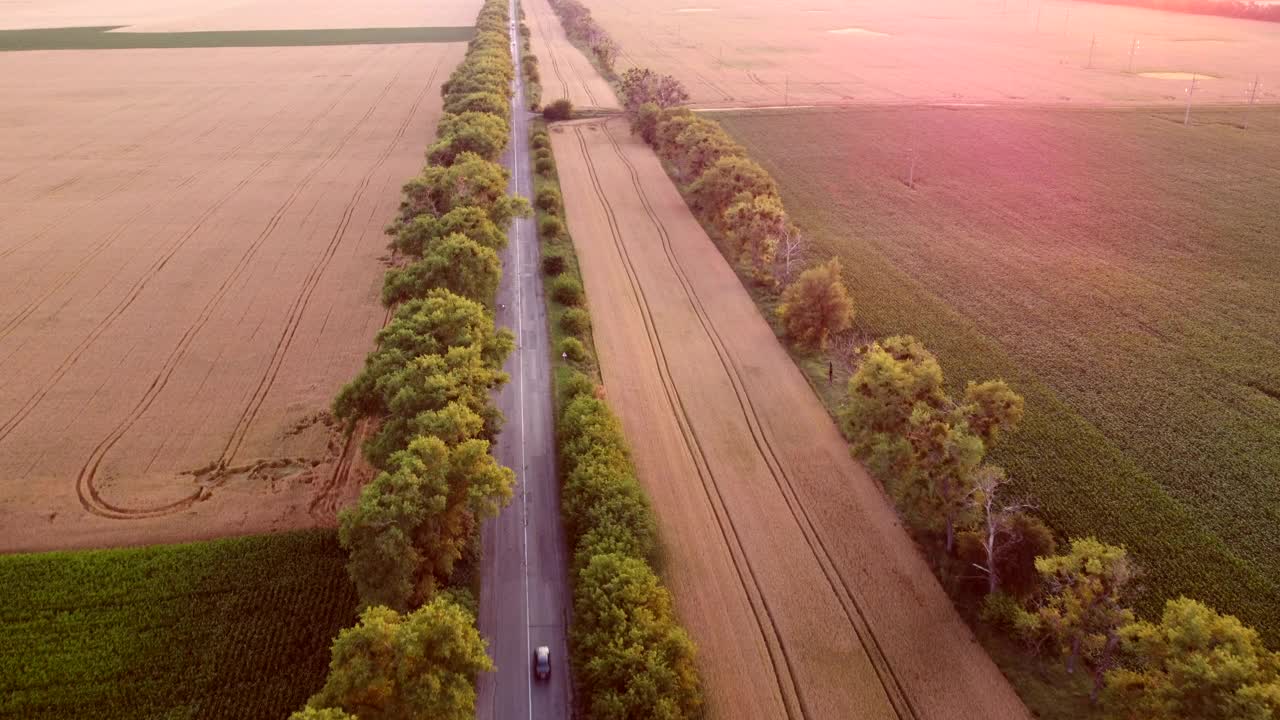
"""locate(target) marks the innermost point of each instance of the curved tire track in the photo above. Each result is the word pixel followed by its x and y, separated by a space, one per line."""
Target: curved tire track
pixel 132 294
pixel 90 497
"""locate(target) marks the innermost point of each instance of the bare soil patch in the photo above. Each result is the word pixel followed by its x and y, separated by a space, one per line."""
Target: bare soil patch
pixel 787 563
pixel 565 71
pixel 194 241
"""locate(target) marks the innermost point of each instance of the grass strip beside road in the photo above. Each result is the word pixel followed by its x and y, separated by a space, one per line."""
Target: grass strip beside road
pixel 562 247
pixel 236 628
pixel 103 38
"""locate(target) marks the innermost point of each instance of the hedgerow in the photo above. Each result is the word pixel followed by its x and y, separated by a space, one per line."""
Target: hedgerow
pixel 630 656
pixel 529 63
pixel 583 30
pixel 427 392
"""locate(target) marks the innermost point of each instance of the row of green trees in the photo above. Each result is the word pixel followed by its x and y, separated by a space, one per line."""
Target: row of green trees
pixel 529 65
pixel 583 29
pixel 929 448
pixel 738 201
pixel 631 657
pixel 425 395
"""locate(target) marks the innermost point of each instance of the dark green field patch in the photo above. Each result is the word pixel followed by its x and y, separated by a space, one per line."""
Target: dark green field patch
pixel 236 628
pixel 1119 269
pixel 100 38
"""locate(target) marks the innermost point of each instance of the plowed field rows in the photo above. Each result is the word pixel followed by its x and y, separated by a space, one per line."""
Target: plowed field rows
pixel 565 71
pixel 788 566
pixel 191 242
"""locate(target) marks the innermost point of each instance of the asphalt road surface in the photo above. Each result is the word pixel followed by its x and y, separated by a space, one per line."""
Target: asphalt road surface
pixel 524 596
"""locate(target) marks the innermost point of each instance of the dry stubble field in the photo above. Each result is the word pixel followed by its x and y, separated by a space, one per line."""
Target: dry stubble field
pixel 565 71
pixel 788 565
pixel 192 242
pixel 763 53
pixel 201 15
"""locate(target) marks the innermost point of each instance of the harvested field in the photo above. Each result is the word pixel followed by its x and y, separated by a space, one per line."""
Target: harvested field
pixel 193 241
pixel 108 38
pixel 787 563
pixel 760 53
pixel 200 15
pixel 565 71
pixel 1118 269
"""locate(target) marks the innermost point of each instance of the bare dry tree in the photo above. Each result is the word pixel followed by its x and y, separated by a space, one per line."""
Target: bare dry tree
pixel 790 254
pixel 998 517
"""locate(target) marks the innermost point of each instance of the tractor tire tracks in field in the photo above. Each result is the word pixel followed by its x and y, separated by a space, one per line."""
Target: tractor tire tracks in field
pixel 223 468
pixel 555 60
pixel 766 625
pixel 838 584
pixel 135 290
pixel 88 259
pixel 89 495
pixel 550 49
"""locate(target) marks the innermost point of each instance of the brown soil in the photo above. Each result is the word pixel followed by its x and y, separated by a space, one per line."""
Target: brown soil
pixel 787 563
pixel 937 51
pixel 193 241
pixel 565 71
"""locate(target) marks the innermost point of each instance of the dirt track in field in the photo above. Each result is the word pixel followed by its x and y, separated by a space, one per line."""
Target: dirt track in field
pixel 564 70
pixel 193 247
pixel 763 53
pixel 805 595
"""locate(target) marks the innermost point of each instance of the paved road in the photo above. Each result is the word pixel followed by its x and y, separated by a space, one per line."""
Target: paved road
pixel 524 597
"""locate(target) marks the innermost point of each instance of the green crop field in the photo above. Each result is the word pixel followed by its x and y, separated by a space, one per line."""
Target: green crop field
pixel 234 628
pixel 1121 270
pixel 101 38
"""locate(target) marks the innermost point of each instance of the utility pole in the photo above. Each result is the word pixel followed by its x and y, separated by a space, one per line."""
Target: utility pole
pixel 1092 44
pixel 1253 95
pixel 786 89
pixel 1191 91
pixel 911 150
pixel 1133 50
